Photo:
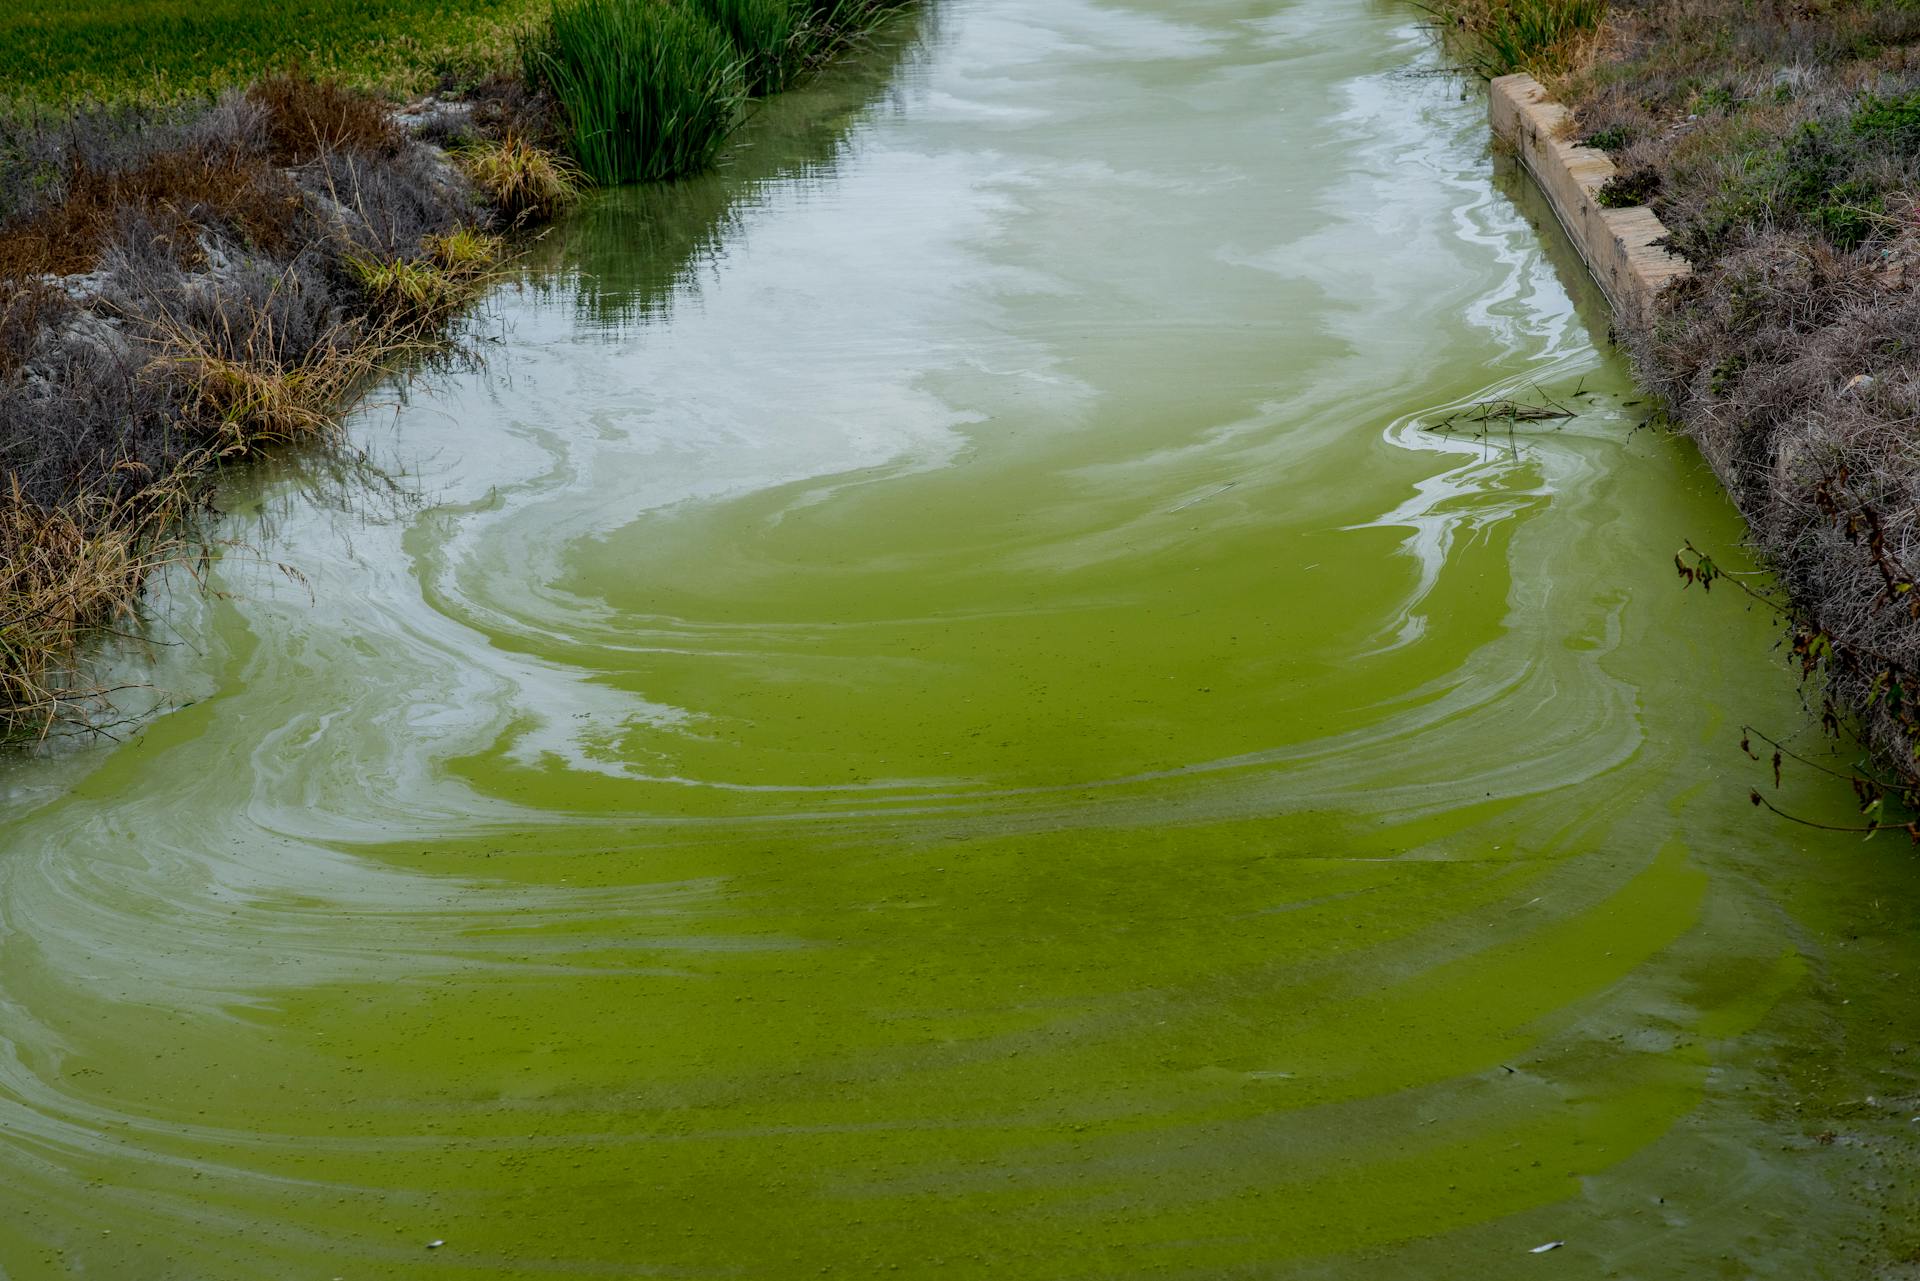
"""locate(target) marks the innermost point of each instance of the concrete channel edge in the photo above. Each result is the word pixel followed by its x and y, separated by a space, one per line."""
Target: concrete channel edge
pixel 1619 246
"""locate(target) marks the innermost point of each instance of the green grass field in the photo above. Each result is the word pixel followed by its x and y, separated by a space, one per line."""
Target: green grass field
pixel 56 50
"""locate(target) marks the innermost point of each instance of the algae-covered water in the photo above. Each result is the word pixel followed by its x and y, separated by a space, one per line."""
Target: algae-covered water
pixel 936 708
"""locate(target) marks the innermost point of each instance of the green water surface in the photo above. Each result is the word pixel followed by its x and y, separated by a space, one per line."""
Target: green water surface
pixel 937 707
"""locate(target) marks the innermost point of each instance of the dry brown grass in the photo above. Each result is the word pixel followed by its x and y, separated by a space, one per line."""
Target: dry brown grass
pixel 25 308
pixel 65 573
pixel 180 192
pixel 308 118
pixel 1779 140
pixel 244 392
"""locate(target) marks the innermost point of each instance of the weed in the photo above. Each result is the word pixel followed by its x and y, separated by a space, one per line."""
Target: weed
pixel 1503 36
pixel 523 180
pixel 415 292
pixel 647 90
pixel 1628 187
pixel 1716 98
pixel 466 255
pixel 407 291
pixel 1890 122
pixel 1613 139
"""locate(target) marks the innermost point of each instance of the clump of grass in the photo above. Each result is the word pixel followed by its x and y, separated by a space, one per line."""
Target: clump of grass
pixel 1500 37
pixel 66 571
pixel 1892 123
pixel 647 90
pixel 252 401
pixel 408 290
pixel 523 180
pixel 422 292
pixel 1629 187
pixel 466 255
pixel 767 34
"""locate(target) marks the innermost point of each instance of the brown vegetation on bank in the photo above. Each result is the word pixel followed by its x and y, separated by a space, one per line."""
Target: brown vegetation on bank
pixel 184 287
pixel 1780 144
pixel 1779 141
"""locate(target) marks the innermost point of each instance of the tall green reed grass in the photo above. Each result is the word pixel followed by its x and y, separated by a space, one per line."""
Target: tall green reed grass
pixel 769 35
pixel 831 24
pixel 649 88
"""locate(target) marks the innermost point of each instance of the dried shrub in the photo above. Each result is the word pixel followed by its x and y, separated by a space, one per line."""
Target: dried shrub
pixel 307 118
pixel 182 193
pixel 67 570
pixel 385 207
pixel 1780 143
pixel 28 308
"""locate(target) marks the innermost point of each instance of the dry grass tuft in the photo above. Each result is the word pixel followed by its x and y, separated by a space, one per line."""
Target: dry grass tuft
pixel 65 572
pixel 523 180
pixel 245 393
pixel 415 292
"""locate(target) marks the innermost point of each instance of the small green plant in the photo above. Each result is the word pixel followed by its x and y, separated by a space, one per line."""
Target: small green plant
pixel 1716 98
pixel 649 90
pixel 1726 375
pixel 1893 123
pixel 1614 139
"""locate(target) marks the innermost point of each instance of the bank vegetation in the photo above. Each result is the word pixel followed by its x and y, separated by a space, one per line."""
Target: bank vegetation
pixel 186 282
pixel 1780 144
